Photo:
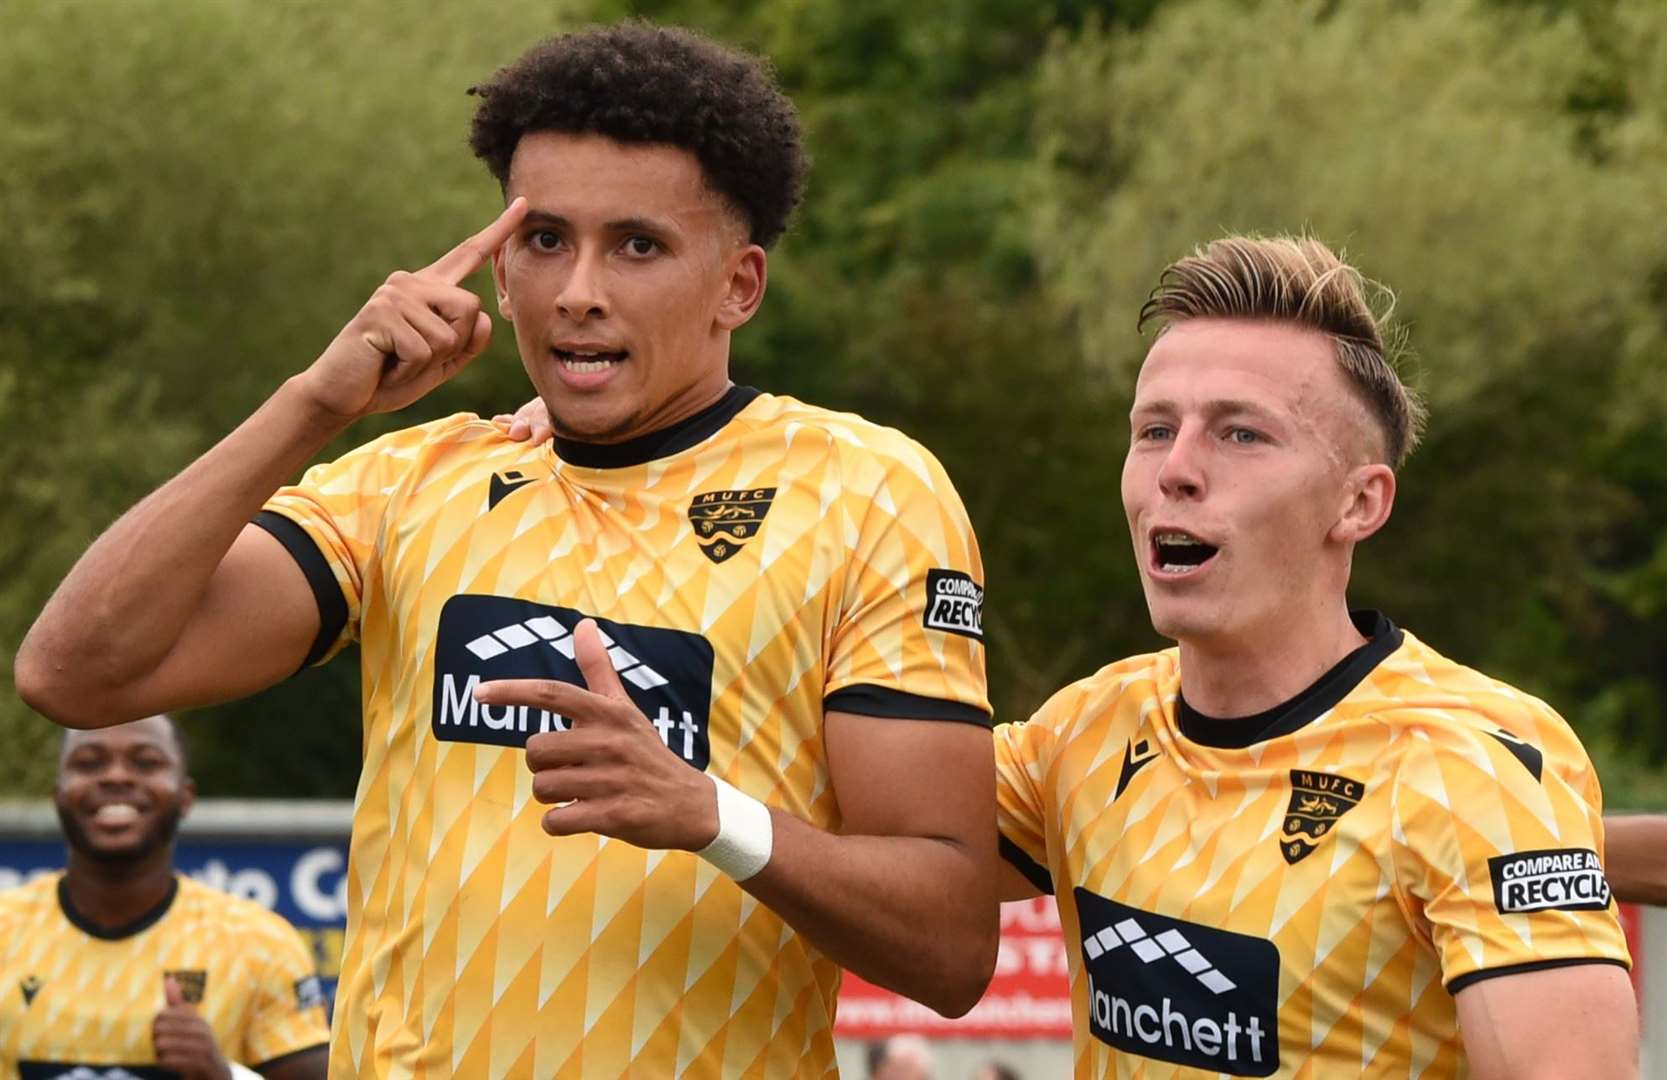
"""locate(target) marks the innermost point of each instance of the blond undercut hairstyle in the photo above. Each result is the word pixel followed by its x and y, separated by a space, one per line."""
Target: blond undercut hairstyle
pixel 1299 280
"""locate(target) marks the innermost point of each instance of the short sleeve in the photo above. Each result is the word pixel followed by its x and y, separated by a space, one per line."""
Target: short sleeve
pixel 286 1012
pixel 1021 754
pixel 908 636
pixel 1498 856
pixel 332 523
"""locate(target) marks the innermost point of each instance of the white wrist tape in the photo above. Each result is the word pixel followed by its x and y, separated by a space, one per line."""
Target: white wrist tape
pixel 745 834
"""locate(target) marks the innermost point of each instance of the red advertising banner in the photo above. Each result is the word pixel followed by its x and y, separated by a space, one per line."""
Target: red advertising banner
pixel 1632 921
pixel 1030 996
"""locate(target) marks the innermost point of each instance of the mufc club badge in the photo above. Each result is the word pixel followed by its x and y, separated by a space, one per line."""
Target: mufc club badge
pixel 725 520
pixel 192 984
pixel 1317 800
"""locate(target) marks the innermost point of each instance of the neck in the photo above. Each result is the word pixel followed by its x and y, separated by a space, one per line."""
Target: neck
pixel 112 895
pixel 1251 673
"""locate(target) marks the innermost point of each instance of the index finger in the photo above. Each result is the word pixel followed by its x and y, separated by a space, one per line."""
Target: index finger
pixel 471 254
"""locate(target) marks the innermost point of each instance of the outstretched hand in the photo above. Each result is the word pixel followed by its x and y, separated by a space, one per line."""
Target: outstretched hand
pixel 183 1040
pixel 611 773
pixel 416 331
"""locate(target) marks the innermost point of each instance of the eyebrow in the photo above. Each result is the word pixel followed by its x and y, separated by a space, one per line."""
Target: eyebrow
pixel 618 225
pixel 1215 410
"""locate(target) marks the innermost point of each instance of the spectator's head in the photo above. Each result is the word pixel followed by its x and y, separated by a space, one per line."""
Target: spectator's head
pixel 901 1057
pixel 122 790
pixel 995 1070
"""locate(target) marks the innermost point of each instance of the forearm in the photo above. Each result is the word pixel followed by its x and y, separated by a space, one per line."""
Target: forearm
pixel 1635 857
pixel 122 608
pixel 913 914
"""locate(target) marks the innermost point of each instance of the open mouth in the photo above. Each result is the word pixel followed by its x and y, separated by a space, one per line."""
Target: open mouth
pixel 585 362
pixel 1180 553
pixel 116 814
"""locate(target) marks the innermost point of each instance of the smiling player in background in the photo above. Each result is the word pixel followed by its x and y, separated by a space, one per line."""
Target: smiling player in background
pixel 122 963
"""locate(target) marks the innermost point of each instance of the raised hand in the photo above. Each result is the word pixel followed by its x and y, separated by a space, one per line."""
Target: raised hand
pixel 610 773
pixel 184 1042
pixel 416 331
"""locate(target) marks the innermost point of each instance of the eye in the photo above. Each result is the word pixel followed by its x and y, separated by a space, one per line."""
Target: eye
pixel 1243 436
pixel 640 246
pixel 1155 433
pixel 544 240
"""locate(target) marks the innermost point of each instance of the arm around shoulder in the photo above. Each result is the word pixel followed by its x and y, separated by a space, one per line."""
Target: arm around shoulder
pixel 1635 857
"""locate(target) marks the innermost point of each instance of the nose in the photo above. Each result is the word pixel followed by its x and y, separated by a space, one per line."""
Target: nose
pixel 582 296
pixel 1181 476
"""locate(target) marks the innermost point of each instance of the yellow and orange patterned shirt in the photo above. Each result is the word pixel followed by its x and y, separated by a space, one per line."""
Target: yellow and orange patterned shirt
pixel 1300 893
pixel 756 565
pixel 78 1001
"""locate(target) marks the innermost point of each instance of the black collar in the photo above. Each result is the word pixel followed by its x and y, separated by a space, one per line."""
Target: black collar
pixel 1236 733
pixel 92 929
pixel 658 444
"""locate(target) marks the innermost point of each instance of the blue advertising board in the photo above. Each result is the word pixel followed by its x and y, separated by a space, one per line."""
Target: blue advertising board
pixel 305 881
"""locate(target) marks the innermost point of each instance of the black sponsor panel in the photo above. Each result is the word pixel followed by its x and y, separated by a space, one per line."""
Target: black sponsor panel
pixel 70 1070
pixel 954 603
pixel 666 673
pixel 1177 991
pixel 1551 879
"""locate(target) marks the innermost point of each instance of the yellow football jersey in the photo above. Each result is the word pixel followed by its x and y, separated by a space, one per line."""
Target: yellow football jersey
pixel 79 1001
pixel 756 565
pixel 1300 893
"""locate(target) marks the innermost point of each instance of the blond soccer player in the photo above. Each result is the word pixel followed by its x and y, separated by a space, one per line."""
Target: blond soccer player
pixel 1302 843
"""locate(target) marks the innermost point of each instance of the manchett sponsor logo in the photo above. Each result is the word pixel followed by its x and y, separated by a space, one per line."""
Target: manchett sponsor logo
pixel 1177 991
pixel 954 603
pixel 666 673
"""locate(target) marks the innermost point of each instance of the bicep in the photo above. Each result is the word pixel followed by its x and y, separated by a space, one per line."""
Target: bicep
pixel 253 627
pixel 926 778
pixel 309 1064
pixel 1635 857
pixel 1568 1022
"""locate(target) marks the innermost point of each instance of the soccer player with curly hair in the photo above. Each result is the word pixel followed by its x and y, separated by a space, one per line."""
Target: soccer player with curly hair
pixel 664 721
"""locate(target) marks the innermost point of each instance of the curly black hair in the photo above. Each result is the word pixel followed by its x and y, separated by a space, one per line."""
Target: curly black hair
pixel 639 83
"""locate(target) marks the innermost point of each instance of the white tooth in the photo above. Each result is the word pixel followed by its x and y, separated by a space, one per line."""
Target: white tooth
pixel 585 366
pixel 116 814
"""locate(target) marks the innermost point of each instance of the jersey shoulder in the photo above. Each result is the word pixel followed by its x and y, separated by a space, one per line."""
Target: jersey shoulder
pixel 25 902
pixel 1149 677
pixel 857 440
pixel 231 916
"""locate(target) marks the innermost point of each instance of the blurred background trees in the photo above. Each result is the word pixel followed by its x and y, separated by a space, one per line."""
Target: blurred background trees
pixel 196 194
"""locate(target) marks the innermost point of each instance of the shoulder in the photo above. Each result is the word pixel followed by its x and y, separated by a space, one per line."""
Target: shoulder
pixel 460 434
pixel 1146 678
pixel 232 917
pixel 25 902
pixel 1457 707
pixel 863 447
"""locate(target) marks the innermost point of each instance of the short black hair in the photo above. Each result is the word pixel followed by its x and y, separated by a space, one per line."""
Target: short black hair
pixel 181 748
pixel 639 83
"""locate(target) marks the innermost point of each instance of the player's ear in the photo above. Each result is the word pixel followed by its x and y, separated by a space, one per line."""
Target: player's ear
pixel 498 258
pixel 745 281
pixel 1368 497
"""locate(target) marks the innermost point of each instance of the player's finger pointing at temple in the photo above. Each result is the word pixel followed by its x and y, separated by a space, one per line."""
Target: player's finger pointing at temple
pixel 473 253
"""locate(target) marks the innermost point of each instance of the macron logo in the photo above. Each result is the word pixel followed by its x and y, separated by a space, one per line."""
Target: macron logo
pixel 551 632
pixel 1169 943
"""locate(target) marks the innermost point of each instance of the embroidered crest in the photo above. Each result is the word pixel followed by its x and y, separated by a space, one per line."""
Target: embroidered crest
pixel 1317 800
pixel 192 984
pixel 725 520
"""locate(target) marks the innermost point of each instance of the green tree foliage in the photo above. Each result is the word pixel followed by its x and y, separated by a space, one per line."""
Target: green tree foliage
pixel 198 193
pixel 1438 143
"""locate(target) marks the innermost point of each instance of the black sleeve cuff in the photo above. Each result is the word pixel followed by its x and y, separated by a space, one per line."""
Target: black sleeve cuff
pixel 1473 977
pixel 332 605
pixel 1024 864
pixel 865 699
